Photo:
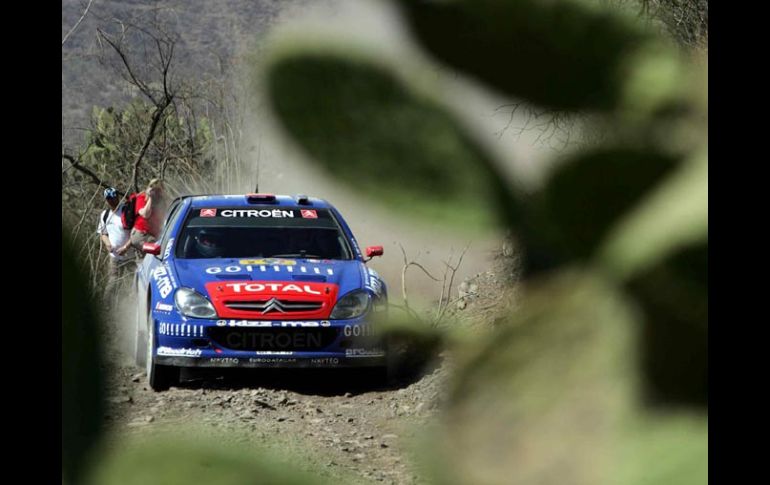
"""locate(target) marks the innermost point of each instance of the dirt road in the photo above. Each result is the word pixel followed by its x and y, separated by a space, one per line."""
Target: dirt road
pixel 353 429
pixel 338 421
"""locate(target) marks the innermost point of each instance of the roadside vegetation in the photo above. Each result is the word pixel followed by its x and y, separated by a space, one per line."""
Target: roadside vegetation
pixel 181 130
pixel 596 375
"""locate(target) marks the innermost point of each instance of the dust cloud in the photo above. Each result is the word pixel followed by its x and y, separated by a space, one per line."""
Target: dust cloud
pixel 282 170
pixel 274 164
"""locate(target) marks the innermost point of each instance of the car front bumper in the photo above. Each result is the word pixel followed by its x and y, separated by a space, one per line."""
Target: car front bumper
pixel 186 342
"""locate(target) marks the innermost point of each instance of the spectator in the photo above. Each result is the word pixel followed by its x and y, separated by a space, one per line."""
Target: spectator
pixel 150 211
pixel 115 240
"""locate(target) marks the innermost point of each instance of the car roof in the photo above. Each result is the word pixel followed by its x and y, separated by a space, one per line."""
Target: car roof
pixel 240 200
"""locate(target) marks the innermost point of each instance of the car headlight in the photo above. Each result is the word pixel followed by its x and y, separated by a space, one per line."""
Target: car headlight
pixel 352 305
pixel 192 304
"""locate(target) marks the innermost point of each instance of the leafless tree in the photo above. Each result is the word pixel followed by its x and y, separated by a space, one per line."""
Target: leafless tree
pixel 159 89
pixel 183 129
pixel 74 27
pixel 446 281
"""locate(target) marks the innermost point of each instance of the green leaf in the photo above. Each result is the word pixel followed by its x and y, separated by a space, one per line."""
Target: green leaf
pixel 82 374
pixel 673 296
pixel 171 462
pixel 563 54
pixel 382 135
pixel 664 448
pixel 590 192
pixel 105 121
pixel 673 216
pixel 544 398
pixel 554 397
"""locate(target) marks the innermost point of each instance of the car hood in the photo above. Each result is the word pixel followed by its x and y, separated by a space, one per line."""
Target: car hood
pixel 277 289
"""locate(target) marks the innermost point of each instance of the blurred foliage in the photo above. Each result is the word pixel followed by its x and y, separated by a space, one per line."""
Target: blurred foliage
pixel 82 372
pixel 172 461
pixel 544 399
pixel 366 127
pixel 566 54
pixel 673 294
pixel 571 215
pixel 86 458
pixel 601 374
pixel 673 215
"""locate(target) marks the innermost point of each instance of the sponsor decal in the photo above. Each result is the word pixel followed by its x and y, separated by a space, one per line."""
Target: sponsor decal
pixel 309 214
pixel 163 307
pixel 243 323
pixel 164 282
pixel 276 300
pixel 326 361
pixel 280 340
pixel 180 329
pixel 265 323
pixel 268 261
pixel 170 276
pixel 277 213
pixel 356 249
pixel 300 324
pixel 223 360
pixel 179 352
pixel 276 352
pixel 169 245
pixel 274 287
pixel 264 265
pixel 364 353
pixel 208 212
pixel 226 269
pixel 375 283
pixel 359 331
pixel 271 360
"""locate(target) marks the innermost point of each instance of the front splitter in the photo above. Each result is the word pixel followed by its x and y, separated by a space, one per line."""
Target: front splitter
pixel 272 362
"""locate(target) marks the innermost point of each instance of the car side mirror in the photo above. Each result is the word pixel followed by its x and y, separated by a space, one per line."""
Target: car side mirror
pixel 373 251
pixel 151 248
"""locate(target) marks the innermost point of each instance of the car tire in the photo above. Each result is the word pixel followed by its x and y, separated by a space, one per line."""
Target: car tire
pixel 140 335
pixel 382 376
pixel 373 377
pixel 160 377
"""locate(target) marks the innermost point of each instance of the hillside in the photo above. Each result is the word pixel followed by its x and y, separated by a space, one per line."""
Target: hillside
pixel 210 34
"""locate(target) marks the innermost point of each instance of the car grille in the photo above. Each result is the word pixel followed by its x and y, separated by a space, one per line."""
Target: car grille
pixel 273 338
pixel 274 305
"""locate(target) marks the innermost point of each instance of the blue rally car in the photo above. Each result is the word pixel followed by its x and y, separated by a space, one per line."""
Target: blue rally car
pixel 255 280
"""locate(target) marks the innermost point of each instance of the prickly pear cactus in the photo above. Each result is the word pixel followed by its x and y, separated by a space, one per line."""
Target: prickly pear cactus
pixel 600 375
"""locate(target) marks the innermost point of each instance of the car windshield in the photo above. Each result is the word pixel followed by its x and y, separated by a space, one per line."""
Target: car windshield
pixel 261 232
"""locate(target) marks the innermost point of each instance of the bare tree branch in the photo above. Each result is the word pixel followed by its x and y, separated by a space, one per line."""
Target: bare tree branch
pixel 444 304
pixel 156 116
pixel 77 166
pixel 85 12
pixel 165 52
pixel 404 292
pixel 124 59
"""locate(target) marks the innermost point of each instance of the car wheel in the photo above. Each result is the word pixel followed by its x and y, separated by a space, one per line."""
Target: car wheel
pixel 140 335
pixel 160 377
pixel 379 376
pixel 371 377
